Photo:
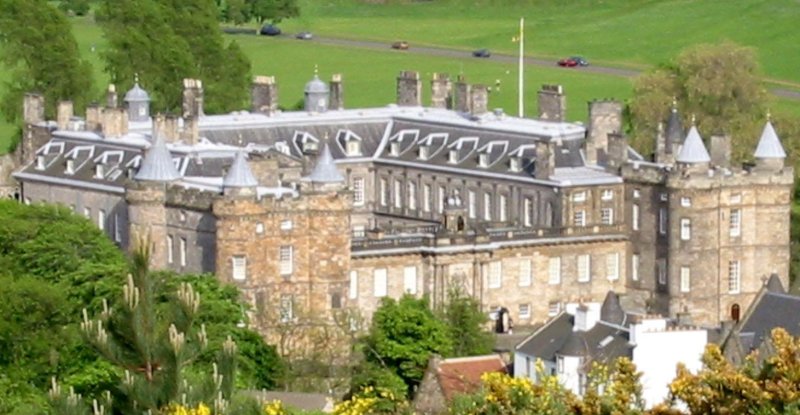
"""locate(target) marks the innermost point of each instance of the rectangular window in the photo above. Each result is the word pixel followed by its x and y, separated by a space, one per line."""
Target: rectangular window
pixel 358 191
pixel 636 193
pixel 87 212
pixel 554 270
pixel 353 285
pixel 661 264
pixel 607 194
pixel 686 201
pixel 101 219
pixel 734 277
pixel 527 208
pixel 170 245
pixel 524 311
pixel 239 268
pixel 426 198
pixel 635 267
pixel 525 273
pixel 584 268
pixel 287 308
pixel 442 197
pixel 612 266
pixel 495 278
pixel 412 195
pixel 662 221
pixel 685 279
pixel 183 251
pixel 117 229
pixel 686 229
pixel 579 218
pixel 379 282
pixel 472 212
pixel 503 207
pixel 664 197
pixel 384 189
pixel 410 280
pixel 579 196
pixel 635 217
pixel 285 259
pixel 607 216
pixel 286 225
pixel 398 194
pixel 359 231
pixel 553 308
pixel 736 223
pixel 487 206
pixel 259 228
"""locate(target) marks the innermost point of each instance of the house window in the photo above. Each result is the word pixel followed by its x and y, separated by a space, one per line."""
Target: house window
pixel 336 301
pixel 579 218
pixel 515 164
pixel 101 219
pixel 584 268
pixel 553 308
pixel 636 193
pixel 285 259
pixel 560 364
pixel 353 148
pixel 426 198
pixel 612 266
pixel 287 308
pixel 424 152
pixel 487 207
pixel 398 194
pixel 70 168
pixel 527 207
pixel 359 231
pixel 259 228
pixel 353 285
pixel 410 280
pixel 664 197
pixel 635 217
pixel 524 311
pixel 394 148
pixel 661 264
pixel 685 279
pixel 384 192
pixel 686 201
pixel 412 195
pixel 662 221
pixel 525 273
pixel 736 223
pixel 686 229
pixel 554 270
pixel 503 207
pixel 607 216
pixel 579 197
pixel 379 282
pixel 635 267
pixel 117 229
pixel 358 191
pixel 183 251
pixel 170 244
pixel 87 212
pixel 287 225
pixel 608 194
pixel 495 279
pixel 734 277
pixel 182 216
pixel 483 160
pixel 472 212
pixel 442 197
pixel 239 268
pixel 99 171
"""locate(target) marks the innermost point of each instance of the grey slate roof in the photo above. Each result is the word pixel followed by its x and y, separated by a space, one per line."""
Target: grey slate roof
pixel 545 342
pixel 769 146
pixel 693 150
pixel 772 310
pixel 674 132
pixel 157 165
pixel 239 175
pixel 136 94
pixel 325 171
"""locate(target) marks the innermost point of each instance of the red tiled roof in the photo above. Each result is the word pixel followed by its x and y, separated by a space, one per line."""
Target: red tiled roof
pixel 463 375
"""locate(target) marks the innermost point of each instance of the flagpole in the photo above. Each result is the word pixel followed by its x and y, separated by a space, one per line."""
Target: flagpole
pixel 521 64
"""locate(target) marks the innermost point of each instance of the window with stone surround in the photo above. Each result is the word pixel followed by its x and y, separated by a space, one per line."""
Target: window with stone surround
pixel 612 266
pixel 636 193
pixel 358 191
pixel 607 216
pixel 336 301
pixel 584 268
pixel 579 218
pixel 170 245
pixel 384 190
pixel 734 277
pixel 410 280
pixel 287 225
pixel 527 208
pixel 662 221
pixel 182 251
pixel 661 265
pixel 686 201
pixel 101 219
pixel 635 217
pixel 735 227
pixel 635 267
pixel 117 228
pixel 607 194
pixel 685 279
pixel 554 270
pixel 553 308
pixel 503 208
pixel 353 285
pixel 87 212
pixel 686 229
pixel 442 197
pixel 579 196
pixel 259 228
pixel 285 258
pixel 524 311
pixel 239 264
pixel 426 198
pixel 379 282
pixel 487 207
pixel 525 274
pixel 472 205
pixel 286 308
pixel 412 195
pixel 398 194
pixel 495 274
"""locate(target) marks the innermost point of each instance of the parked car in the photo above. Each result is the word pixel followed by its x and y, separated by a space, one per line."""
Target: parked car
pixel 580 60
pixel 304 36
pixel 401 45
pixel 270 30
pixel 482 53
pixel 573 61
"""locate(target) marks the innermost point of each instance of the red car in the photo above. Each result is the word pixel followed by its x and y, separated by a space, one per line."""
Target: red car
pixel 568 62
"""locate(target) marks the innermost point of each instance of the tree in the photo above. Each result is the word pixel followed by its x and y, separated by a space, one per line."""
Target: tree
pixel 41 53
pixel 273 10
pixel 403 336
pixel 718 84
pixel 465 325
pixel 75 7
pixel 165 41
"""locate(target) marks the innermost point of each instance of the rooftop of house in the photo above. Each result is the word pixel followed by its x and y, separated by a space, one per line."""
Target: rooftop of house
pixel 463 375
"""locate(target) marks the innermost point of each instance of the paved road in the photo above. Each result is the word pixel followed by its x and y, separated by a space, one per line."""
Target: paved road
pixel 455 53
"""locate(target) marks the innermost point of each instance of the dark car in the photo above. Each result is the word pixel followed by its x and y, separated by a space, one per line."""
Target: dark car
pixel 482 53
pixel 400 45
pixel 304 36
pixel 270 30
pixel 580 60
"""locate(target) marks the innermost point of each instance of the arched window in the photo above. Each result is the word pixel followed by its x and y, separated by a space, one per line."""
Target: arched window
pixel 735 312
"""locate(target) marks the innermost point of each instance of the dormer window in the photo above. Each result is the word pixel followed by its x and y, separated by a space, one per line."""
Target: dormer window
pixel 424 152
pixel 131 173
pixel 394 148
pixel 353 148
pixel 310 146
pixel 515 164
pixel 483 160
pixel 70 166
pixel 453 157
pixel 99 171
pixel 40 162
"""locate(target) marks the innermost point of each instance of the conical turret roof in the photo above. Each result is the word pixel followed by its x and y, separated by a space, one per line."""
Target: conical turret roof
pixel 157 165
pixel 693 150
pixel 774 284
pixel 239 174
pixel 325 171
pixel 611 311
pixel 769 146
pixel 136 94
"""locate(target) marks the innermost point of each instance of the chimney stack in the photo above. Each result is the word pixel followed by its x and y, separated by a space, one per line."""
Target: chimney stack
pixel 264 95
pixel 605 117
pixel 409 89
pixel 170 131
pixel 115 122
pixel 33 108
pixel 191 131
pixel 192 98
pixel 64 114
pixel 479 99
pixel 111 96
pixel 552 103
pixel 93 117
pixel 617 150
pixel 721 150
pixel 462 95
pixel 159 126
pixel 337 93
pixel 441 91
pixel 545 163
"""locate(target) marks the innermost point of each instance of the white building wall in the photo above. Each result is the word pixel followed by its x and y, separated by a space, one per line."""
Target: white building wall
pixel 570 375
pixel 525 367
pixel 657 354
